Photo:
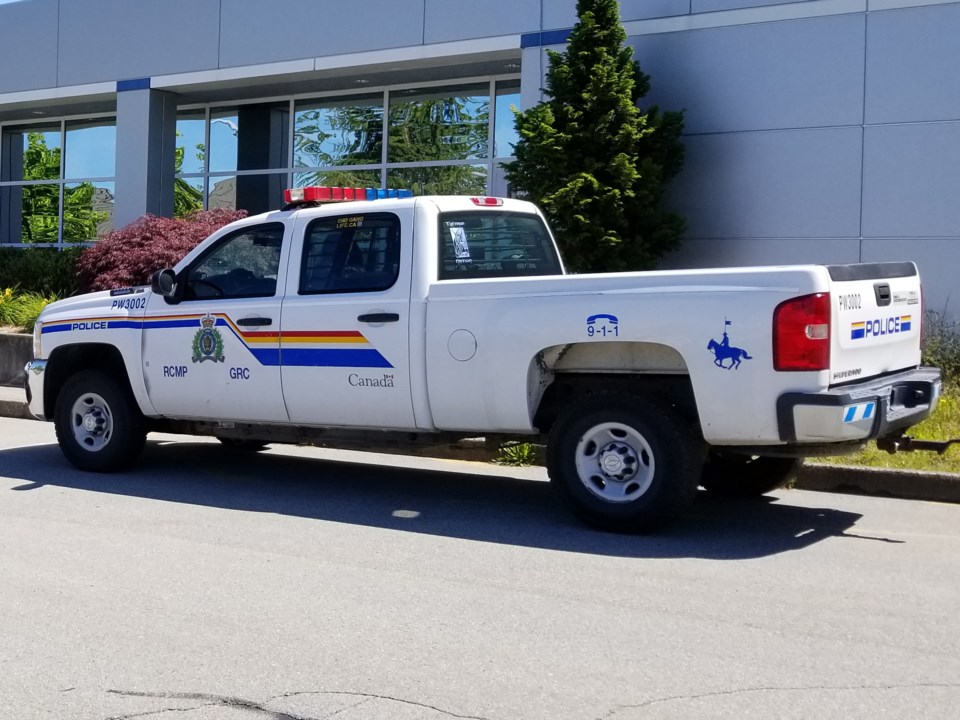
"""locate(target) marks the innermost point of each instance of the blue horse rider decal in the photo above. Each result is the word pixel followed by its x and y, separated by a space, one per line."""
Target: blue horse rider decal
pixel 723 351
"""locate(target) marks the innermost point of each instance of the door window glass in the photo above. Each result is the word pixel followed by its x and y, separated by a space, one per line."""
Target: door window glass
pixel 351 253
pixel 242 265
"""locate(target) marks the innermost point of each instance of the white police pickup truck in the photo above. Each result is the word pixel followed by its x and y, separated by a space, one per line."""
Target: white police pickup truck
pixel 432 318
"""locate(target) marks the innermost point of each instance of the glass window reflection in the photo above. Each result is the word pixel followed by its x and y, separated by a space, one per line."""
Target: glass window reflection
pixel 87 210
pixel 338 178
pixel 91 149
pixel 504 130
pixel 338 132
pixel 449 180
pixel 31 152
pixel 39 210
pixel 224 131
pixel 439 124
pixel 191 142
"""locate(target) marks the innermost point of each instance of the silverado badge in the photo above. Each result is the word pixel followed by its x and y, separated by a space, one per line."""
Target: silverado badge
pixel 207 343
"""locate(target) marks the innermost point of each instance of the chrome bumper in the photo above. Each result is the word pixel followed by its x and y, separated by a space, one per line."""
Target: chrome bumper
pixel 34 387
pixel 860 412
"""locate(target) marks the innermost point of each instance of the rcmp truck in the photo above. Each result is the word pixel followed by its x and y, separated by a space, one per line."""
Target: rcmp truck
pixel 351 317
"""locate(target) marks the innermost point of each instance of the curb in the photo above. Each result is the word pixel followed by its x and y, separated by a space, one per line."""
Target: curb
pixel 905 484
pixel 820 477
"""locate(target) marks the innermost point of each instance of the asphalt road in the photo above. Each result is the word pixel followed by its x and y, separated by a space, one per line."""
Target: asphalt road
pixel 310 584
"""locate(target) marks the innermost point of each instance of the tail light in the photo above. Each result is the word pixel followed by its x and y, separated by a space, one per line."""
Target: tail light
pixel 801 333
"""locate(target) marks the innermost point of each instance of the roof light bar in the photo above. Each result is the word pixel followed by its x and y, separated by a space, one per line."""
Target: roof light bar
pixel 322 193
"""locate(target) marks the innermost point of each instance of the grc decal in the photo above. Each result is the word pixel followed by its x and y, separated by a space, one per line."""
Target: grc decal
pixel 880 327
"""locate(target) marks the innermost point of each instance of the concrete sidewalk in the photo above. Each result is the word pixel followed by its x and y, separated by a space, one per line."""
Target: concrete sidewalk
pixel 908 484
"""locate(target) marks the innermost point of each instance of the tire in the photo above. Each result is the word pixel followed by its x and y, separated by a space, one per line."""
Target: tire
pixel 746 476
pixel 99 426
pixel 242 444
pixel 623 463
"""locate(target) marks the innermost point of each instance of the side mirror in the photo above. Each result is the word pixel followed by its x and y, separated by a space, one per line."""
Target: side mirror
pixel 164 282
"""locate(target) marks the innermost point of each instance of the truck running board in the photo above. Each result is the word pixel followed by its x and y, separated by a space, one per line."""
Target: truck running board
pixel 905 443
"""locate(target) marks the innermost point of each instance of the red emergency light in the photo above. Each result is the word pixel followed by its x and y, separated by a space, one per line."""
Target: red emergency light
pixel 487 201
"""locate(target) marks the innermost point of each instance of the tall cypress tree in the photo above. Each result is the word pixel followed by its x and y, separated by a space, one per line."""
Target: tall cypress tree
pixel 595 162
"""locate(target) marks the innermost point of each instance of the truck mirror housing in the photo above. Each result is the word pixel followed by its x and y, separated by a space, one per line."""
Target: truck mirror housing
pixel 164 282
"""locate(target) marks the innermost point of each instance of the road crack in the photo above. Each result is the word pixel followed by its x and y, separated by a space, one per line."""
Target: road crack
pixel 208 700
pixel 773 688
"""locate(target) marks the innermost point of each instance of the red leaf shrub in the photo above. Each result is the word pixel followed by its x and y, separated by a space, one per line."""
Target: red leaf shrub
pixel 130 255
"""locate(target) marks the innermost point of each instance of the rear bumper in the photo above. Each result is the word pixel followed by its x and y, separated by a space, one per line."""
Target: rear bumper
pixel 34 386
pixel 859 412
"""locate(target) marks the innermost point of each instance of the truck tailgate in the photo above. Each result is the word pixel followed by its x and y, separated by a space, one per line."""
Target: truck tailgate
pixel 875 319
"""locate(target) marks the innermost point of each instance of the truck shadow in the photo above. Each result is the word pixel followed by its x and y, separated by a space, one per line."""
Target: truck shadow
pixel 453 504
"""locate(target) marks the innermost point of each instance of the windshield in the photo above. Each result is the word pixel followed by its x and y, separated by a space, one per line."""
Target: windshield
pixel 494 244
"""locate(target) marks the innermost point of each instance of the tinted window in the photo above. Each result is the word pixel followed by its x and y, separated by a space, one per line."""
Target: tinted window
pixel 351 253
pixel 489 244
pixel 243 264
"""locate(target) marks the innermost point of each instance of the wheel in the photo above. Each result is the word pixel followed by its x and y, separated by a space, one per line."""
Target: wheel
pixel 99 427
pixel 623 462
pixel 242 444
pixel 746 475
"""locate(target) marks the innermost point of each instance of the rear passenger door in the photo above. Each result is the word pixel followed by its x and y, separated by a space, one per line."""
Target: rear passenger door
pixel 344 340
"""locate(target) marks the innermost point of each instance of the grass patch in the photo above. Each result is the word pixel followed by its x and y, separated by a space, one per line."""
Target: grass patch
pixel 944 424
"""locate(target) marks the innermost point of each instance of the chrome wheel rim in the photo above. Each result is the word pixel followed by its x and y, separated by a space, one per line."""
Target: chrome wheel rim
pixel 615 462
pixel 91 422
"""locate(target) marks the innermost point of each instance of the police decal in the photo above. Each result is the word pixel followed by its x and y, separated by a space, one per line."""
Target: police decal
pixel 723 351
pixel 207 343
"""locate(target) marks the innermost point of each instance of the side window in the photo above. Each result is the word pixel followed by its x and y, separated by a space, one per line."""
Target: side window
pixel 351 253
pixel 241 265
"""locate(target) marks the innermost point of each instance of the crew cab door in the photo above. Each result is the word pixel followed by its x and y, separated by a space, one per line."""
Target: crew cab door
pixel 344 350
pixel 215 353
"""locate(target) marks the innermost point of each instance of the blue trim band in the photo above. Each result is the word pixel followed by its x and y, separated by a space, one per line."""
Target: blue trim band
pixel 550 37
pixel 137 84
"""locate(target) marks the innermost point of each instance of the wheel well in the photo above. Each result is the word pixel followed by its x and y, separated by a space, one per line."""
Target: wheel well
pixel 672 390
pixel 68 360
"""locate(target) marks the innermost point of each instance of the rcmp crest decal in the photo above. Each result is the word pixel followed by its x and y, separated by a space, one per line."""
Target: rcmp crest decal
pixel 207 343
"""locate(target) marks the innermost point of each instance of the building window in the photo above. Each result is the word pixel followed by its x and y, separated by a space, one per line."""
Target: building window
pixel 57 181
pixel 434 138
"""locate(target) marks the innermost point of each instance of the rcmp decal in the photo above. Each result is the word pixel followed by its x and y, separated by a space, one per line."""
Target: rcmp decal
pixel 723 351
pixel 880 327
pixel 208 342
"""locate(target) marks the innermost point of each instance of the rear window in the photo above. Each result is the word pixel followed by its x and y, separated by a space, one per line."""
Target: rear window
pixel 494 244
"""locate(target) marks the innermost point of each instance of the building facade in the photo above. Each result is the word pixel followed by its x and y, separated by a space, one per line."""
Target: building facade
pixel 817 131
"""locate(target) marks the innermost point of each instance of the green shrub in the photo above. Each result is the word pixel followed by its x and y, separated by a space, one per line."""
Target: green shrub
pixel 941 345
pixel 517 454
pixel 43 270
pixel 21 309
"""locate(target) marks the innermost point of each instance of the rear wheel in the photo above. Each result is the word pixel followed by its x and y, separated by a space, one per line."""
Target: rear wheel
pixel 747 475
pixel 623 462
pixel 99 426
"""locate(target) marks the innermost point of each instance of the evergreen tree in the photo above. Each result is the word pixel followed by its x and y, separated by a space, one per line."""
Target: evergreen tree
pixel 595 162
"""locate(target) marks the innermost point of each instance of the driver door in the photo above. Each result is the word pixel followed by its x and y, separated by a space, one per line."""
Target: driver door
pixel 213 352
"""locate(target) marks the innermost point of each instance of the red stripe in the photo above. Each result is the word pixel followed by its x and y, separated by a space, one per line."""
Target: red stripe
pixel 321 333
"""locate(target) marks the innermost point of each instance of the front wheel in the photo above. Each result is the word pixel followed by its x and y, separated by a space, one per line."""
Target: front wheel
pixel 747 475
pixel 99 427
pixel 623 462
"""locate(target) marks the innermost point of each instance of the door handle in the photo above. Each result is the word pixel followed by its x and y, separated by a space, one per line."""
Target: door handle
pixel 378 317
pixel 255 321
